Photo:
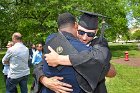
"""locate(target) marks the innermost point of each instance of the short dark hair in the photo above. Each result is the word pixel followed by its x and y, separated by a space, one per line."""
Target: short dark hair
pixel 64 19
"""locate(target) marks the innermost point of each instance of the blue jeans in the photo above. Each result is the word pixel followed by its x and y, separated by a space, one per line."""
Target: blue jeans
pixel 12 83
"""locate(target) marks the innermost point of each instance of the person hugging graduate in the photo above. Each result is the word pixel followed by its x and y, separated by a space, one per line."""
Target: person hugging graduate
pixel 92 66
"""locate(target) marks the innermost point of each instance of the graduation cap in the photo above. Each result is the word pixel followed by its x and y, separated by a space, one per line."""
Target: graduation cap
pixel 89 20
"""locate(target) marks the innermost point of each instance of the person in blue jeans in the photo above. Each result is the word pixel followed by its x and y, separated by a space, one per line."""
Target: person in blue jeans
pixel 7 66
pixel 17 56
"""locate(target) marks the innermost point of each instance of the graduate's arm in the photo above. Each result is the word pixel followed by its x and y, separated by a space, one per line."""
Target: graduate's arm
pixel 54 59
pixel 37 72
pixel 65 60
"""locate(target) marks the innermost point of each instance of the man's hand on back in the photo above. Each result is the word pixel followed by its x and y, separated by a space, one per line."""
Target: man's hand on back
pixel 55 84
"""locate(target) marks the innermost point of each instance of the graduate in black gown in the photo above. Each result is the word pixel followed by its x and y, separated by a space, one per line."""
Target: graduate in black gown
pixel 91 65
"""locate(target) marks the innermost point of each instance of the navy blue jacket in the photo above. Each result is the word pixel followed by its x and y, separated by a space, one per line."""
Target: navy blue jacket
pixel 67 72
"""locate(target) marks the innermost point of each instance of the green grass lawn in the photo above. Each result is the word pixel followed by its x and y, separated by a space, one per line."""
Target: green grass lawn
pixel 127 79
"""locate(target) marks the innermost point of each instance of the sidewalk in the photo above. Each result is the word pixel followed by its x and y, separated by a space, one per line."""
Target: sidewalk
pixel 132 61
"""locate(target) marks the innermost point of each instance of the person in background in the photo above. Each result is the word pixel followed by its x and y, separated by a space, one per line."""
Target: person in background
pixel 31 53
pixel 37 57
pixel 17 56
pixel 6 66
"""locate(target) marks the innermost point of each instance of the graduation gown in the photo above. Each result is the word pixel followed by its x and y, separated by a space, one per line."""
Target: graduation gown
pixel 92 67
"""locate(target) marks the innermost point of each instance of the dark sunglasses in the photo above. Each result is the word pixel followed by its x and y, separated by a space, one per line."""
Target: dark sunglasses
pixel 89 34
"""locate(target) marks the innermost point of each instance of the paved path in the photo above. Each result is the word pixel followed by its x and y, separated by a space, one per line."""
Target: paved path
pixel 132 61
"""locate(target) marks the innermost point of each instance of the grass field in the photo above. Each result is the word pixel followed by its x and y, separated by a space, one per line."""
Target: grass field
pixel 127 79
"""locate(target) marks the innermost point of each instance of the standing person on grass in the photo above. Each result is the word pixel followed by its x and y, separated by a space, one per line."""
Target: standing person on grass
pixel 7 66
pixel 17 56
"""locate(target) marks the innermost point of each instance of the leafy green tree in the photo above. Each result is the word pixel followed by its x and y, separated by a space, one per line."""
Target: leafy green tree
pixel 36 19
pixel 136 35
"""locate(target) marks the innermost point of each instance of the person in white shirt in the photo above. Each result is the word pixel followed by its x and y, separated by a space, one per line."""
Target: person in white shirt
pixel 17 56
